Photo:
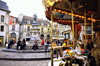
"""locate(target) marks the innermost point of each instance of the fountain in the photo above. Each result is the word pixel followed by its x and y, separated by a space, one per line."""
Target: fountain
pixel 34 31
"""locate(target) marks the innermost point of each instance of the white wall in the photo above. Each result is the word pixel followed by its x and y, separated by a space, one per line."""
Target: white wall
pixel 17 27
pixel 5 23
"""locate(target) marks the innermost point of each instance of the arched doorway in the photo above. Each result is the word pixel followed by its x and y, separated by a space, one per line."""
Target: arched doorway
pixel 13 35
pixel 48 36
pixel 28 37
pixel 42 36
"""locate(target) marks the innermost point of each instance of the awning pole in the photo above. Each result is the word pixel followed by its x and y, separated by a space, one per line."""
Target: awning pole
pixel 85 23
pixel 51 38
pixel 72 21
pixel 57 40
pixel 92 24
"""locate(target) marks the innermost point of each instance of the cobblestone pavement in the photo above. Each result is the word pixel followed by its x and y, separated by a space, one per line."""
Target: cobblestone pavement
pixel 24 63
pixel 23 55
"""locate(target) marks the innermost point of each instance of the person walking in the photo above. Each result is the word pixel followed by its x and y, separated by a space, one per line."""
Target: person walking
pixel 35 45
pixel 18 44
pixel 23 45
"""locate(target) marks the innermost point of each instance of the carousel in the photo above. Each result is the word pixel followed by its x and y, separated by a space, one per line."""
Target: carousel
pixel 74 13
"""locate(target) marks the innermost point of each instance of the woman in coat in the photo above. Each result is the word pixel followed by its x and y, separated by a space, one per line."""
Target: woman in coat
pixel 23 45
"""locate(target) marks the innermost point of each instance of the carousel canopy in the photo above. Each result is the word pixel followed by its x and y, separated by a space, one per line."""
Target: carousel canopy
pixel 62 10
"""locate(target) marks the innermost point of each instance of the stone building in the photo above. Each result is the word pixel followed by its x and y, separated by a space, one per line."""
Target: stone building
pixel 26 25
pixel 13 28
pixel 4 22
pixel 44 26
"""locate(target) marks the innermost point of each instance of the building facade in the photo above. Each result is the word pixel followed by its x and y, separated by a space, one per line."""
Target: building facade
pixel 44 26
pixel 26 25
pixel 4 22
pixel 13 28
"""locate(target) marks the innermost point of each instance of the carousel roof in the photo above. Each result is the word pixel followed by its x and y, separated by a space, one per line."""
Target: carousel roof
pixel 62 10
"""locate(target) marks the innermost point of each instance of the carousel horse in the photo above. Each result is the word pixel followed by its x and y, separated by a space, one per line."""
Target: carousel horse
pixel 76 53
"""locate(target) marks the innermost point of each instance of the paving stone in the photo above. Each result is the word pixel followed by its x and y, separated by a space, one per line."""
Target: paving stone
pixel 26 56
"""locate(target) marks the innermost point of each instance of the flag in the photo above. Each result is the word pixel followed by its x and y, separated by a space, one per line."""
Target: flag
pixel 14 21
pixel 10 21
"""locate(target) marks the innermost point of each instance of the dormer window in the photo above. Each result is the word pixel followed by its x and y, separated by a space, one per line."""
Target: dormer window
pixel 25 21
pixel 28 21
pixel 42 24
pixel 48 25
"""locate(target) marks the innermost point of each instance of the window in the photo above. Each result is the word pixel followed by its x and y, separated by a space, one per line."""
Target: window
pixel 48 30
pixel 45 24
pixel 25 21
pixel 28 29
pixel 48 25
pixel 2 28
pixel 13 28
pixel 28 21
pixel 42 30
pixel 42 24
pixel 2 18
pixel 14 20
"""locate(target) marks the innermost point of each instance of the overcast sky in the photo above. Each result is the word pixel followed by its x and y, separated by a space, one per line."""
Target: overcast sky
pixel 27 7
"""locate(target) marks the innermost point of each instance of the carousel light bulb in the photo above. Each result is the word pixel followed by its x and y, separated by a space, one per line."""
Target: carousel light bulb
pixel 59 10
pixel 76 15
pixel 79 16
pixel 62 11
pixel 56 0
pixel 83 17
pixel 70 14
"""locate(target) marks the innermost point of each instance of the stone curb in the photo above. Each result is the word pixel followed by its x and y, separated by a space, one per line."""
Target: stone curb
pixel 46 58
pixel 24 51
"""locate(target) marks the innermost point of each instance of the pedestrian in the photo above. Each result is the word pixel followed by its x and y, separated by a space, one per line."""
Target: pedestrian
pixel 11 42
pixel 23 45
pixel 35 45
pixel 61 42
pixel 18 44
pixel 5 43
pixel 48 41
pixel 46 46
pixel 42 43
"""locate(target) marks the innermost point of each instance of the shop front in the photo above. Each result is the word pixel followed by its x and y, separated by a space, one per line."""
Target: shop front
pixel 1 40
